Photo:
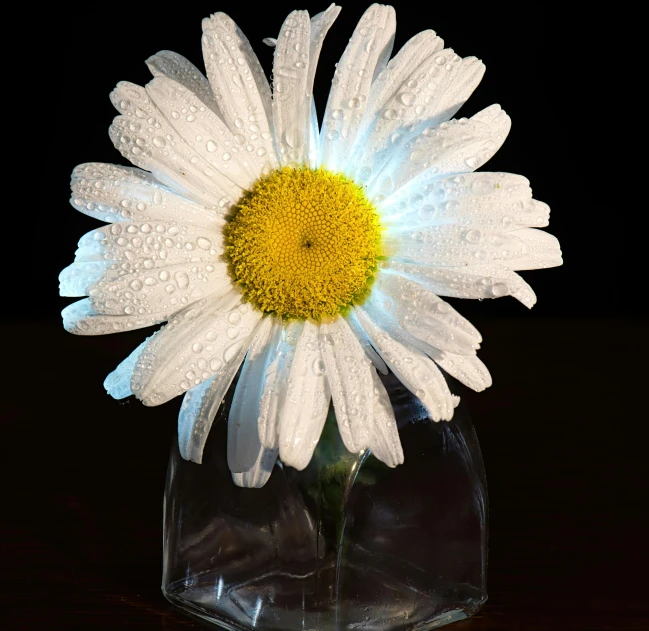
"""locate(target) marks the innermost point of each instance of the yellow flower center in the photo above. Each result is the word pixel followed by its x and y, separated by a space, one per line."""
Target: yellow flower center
pixel 304 243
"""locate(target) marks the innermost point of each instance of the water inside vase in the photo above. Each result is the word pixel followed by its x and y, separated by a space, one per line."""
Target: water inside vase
pixel 347 543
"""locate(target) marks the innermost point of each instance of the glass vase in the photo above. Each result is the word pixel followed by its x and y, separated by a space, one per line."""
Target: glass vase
pixel 347 543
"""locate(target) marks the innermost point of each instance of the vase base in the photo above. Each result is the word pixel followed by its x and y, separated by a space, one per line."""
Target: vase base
pixel 279 601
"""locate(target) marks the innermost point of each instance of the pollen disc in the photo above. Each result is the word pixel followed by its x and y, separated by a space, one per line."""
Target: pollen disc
pixel 304 243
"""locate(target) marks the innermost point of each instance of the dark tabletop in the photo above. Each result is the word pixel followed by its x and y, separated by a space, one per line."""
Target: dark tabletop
pixel 563 437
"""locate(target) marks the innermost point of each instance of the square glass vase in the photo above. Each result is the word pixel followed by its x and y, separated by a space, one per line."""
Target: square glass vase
pixel 347 543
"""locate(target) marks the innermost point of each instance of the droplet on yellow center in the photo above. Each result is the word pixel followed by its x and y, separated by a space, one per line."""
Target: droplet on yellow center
pixel 304 243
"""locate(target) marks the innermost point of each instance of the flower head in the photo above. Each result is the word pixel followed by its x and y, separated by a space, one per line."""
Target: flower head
pixel 309 258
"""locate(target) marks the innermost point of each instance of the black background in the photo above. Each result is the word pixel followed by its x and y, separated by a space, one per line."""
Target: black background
pixel 563 429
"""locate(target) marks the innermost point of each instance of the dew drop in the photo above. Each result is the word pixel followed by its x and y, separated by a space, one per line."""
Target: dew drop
pixel 182 279
pixel 407 98
pixel 318 367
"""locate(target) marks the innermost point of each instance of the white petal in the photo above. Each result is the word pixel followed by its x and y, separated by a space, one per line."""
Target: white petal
pixel 118 382
pixel 200 405
pixel 115 194
pixel 239 85
pixel 205 132
pixel 169 64
pixel 81 319
pixel 144 136
pixel 197 412
pixel 243 437
pixel 360 334
pixel 260 472
pixel 276 385
pixel 460 246
pixel 424 315
pixel 75 279
pixel 499 201
pixel 151 244
pixel 158 290
pixel 364 58
pixel 292 91
pixel 349 374
pixel 306 404
pixel 387 83
pixel 458 146
pixel 320 25
pixel 416 372
pixel 384 441
pixel 314 138
pixel 194 345
pixel 431 94
pixel 467 369
pixel 474 281
pixel 541 250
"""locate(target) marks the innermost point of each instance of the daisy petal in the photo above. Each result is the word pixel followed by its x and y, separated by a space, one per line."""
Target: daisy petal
pixel 461 246
pixel 151 244
pixel 384 441
pixel 197 413
pixel 411 55
pixel 208 337
pixel 349 374
pixel 81 319
pixel 201 404
pixel 291 88
pixel 314 138
pixel 118 382
pixel 473 281
pixel 276 385
pixel 320 25
pixel 364 58
pixel 160 290
pixel 458 146
pixel 306 404
pixel 467 369
pixel 500 201
pixel 75 279
pixel 143 135
pixel 541 250
pixel 205 132
pixel 260 472
pixel 417 104
pixel 360 334
pixel 169 64
pixel 243 437
pixel 385 87
pixel 239 85
pixel 416 372
pixel 115 194
pixel 424 315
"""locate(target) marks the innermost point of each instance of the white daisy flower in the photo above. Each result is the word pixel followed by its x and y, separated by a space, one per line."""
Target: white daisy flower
pixel 312 257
